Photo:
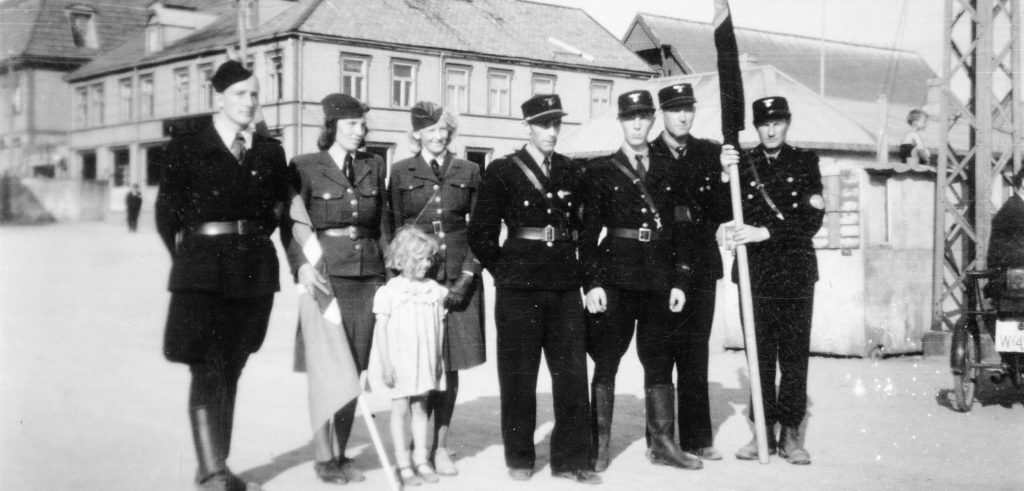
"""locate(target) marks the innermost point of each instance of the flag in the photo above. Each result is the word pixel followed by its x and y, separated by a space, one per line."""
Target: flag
pixel 730 81
pixel 331 370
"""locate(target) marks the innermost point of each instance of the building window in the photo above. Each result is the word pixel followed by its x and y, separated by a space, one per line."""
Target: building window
pixel 600 96
pixel 543 84
pixel 146 96
pixel 154 37
pixel 124 99
pixel 206 87
pixel 499 92
pixel 96 104
pixel 456 81
pixel 840 228
pixel 83 30
pixel 386 151
pixel 481 156
pixel 81 107
pixel 88 166
pixel 403 84
pixel 353 76
pixel 274 90
pixel 181 90
pixel 122 166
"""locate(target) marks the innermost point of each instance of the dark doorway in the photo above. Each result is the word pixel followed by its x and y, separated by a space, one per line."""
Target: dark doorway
pixel 89 166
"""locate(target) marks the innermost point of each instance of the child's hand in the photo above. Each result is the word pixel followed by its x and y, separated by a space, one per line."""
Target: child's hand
pixel 388 373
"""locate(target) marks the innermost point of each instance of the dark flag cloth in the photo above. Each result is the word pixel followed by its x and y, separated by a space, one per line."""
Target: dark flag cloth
pixel 730 81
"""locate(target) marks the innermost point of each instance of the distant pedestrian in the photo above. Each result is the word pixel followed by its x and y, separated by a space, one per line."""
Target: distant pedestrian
pixel 133 205
pixel 912 148
pixel 409 335
pixel 221 196
pixel 434 191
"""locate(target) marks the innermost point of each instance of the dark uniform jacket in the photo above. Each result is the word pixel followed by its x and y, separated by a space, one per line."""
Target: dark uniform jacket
pixel 701 171
pixel 612 200
pixel 419 198
pixel 1006 248
pixel 203 182
pixel 786 262
pixel 335 204
pixel 507 195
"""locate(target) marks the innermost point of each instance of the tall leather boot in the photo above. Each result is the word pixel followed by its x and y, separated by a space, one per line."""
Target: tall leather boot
pixel 343 420
pixel 213 474
pixel 661 419
pixel 601 409
pixel 791 446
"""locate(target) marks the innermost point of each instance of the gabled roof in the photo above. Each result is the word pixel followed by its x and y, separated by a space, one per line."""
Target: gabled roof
pixel 515 29
pixel 852 71
pixel 817 124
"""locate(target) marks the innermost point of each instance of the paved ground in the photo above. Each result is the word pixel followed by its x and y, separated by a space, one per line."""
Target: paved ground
pixel 87 401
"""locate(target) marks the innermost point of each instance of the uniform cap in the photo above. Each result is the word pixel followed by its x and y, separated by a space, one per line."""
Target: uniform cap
pixel 542 108
pixel 636 101
pixel 341 106
pixel 769 108
pixel 425 114
pixel 676 95
pixel 229 73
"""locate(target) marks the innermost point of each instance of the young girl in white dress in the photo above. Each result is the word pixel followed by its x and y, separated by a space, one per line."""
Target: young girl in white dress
pixel 409 334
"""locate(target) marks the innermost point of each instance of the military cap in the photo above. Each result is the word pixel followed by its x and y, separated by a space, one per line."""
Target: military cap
pixel 636 101
pixel 425 114
pixel 341 106
pixel 769 108
pixel 676 95
pixel 229 73
pixel 541 108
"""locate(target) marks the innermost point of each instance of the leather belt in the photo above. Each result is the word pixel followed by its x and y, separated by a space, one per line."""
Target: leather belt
pixel 238 227
pixel 642 234
pixel 352 231
pixel 437 227
pixel 548 234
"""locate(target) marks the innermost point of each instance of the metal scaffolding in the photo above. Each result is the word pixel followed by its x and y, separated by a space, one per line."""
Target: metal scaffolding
pixel 981 141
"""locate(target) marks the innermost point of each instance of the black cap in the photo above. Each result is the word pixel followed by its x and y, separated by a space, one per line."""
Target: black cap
pixel 543 107
pixel 341 106
pixel 769 108
pixel 425 114
pixel 229 73
pixel 636 101
pixel 676 95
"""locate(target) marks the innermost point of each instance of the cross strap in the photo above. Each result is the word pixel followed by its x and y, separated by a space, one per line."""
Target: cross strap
pixel 643 190
pixel 764 194
pixel 533 180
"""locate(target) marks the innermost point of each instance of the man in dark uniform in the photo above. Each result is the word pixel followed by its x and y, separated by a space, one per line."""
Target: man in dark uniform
pixel 1006 250
pixel 535 191
pixel 133 205
pixel 697 160
pixel 782 210
pixel 221 196
pixel 636 276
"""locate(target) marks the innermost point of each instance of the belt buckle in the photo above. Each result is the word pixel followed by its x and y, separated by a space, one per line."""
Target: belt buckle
pixel 549 233
pixel 437 227
pixel 352 232
pixel 644 234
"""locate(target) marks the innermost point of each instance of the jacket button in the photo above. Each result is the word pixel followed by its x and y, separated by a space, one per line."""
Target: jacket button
pixel 752 183
pixel 353 202
pixel 436 187
pixel 327 196
pixel 526 203
pixel 438 199
pixel 549 195
pixel 349 190
pixel 549 211
pixel 789 179
pixel 443 247
pixel 793 193
pixel 438 211
pixel 550 244
pixel 358 246
pixel 355 213
pixel 645 225
pixel 750 196
pixel 643 210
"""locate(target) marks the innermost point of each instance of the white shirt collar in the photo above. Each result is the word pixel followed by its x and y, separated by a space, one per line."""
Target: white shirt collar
pixel 338 155
pixel 631 155
pixel 535 153
pixel 227 132
pixel 427 157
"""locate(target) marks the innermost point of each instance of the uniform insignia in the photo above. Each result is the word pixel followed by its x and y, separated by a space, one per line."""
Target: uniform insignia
pixel 562 194
pixel 817 201
pixel 635 97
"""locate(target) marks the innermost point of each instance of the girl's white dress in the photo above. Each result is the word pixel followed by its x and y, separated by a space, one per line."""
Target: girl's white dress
pixel 415 332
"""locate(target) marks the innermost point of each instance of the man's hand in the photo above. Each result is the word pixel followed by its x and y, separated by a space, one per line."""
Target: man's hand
pixel 596 300
pixel 309 278
pixel 460 292
pixel 676 300
pixel 745 234
pixel 729 157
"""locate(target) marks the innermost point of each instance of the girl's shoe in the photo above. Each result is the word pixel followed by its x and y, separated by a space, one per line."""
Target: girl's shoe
pixel 427 473
pixel 408 477
pixel 443 463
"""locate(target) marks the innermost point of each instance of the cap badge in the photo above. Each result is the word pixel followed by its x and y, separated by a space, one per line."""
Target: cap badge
pixel 635 97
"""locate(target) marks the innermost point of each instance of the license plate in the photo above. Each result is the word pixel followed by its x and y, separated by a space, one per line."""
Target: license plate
pixel 1009 336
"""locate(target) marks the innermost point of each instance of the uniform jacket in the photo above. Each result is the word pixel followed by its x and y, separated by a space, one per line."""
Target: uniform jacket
pixel 786 262
pixel 203 182
pixel 507 195
pixel 702 174
pixel 1006 247
pixel 333 202
pixel 419 197
pixel 612 200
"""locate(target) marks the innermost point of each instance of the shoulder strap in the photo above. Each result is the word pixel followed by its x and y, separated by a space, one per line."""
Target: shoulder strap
pixel 533 180
pixel 643 189
pixel 764 194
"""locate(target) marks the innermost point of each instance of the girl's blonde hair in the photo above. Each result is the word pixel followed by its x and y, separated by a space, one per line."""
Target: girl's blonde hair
pixel 409 245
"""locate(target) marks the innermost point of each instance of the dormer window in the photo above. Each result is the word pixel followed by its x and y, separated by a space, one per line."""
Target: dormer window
pixel 154 36
pixel 83 29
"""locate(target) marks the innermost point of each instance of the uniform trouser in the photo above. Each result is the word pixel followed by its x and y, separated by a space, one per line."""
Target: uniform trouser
pixel 610 333
pixel 691 361
pixel 529 322
pixel 783 328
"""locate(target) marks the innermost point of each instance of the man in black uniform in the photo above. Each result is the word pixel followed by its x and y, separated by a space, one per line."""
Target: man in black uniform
pixel 697 160
pixel 782 210
pixel 133 205
pixel 636 275
pixel 535 191
pixel 221 196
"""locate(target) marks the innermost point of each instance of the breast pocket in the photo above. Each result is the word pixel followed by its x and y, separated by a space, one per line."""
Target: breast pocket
pixel 369 204
pixel 413 195
pixel 326 210
pixel 459 196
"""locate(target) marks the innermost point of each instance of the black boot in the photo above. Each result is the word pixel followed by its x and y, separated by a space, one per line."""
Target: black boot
pixel 343 420
pixel 601 408
pixel 791 446
pixel 213 474
pixel 661 419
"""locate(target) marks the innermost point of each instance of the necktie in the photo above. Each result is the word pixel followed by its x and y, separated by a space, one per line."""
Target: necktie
pixel 681 151
pixel 547 167
pixel 349 172
pixel 436 168
pixel 238 147
pixel 641 171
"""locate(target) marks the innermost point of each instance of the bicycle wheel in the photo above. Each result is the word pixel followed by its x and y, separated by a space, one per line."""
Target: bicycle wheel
pixel 964 353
